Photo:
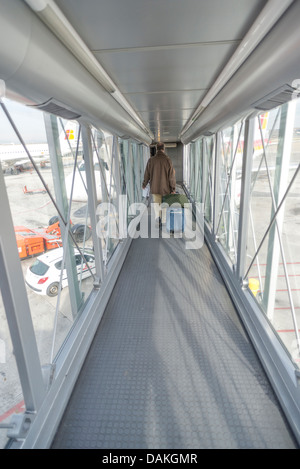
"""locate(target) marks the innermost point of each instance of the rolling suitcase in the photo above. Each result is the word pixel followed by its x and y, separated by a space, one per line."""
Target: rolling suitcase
pixel 175 220
pixel 175 214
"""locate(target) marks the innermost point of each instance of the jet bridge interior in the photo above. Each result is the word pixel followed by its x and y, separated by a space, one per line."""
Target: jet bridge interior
pixel 114 332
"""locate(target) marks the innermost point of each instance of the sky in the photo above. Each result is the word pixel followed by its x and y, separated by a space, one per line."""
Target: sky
pixel 29 122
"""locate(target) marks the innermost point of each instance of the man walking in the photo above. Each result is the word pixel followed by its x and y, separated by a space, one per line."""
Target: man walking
pixel 161 174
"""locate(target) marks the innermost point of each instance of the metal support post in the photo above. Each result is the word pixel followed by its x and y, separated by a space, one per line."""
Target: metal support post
pixel 117 175
pixel 129 166
pixel 51 126
pixel 231 194
pixel 192 170
pixel 186 152
pixel 204 157
pixel 216 195
pixel 245 198
pixel 92 199
pixel 121 201
pixel 17 309
pixel 198 171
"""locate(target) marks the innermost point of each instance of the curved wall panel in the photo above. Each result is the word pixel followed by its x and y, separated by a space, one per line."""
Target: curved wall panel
pixel 36 66
pixel 274 63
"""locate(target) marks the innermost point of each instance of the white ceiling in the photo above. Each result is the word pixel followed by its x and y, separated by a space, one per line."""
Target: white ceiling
pixel 163 55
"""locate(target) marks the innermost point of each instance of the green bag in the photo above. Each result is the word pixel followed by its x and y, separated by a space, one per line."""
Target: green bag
pixel 171 199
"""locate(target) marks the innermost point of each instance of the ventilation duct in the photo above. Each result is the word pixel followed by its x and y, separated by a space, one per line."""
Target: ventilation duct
pixel 281 96
pixel 58 109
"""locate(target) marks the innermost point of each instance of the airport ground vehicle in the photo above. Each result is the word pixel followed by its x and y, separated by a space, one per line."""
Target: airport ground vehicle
pixel 43 276
pixel 32 242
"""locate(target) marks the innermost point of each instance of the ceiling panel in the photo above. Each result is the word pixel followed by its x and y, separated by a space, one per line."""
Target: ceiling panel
pixel 165 100
pixel 178 115
pixel 188 68
pixel 108 24
pixel 162 54
pixel 168 76
pixel 161 104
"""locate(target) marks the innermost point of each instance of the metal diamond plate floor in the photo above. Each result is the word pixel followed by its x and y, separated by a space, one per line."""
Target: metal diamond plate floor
pixel 171 367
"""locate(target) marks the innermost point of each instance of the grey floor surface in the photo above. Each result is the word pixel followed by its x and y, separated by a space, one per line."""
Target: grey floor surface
pixel 171 367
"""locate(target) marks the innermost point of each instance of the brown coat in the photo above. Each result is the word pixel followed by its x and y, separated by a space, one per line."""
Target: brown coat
pixel 160 172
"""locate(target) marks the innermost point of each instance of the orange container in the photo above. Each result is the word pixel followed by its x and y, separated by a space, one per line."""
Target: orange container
pixel 34 245
pixel 21 246
pixel 29 243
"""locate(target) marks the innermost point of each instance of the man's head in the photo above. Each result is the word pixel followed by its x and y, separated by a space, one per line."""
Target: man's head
pixel 160 146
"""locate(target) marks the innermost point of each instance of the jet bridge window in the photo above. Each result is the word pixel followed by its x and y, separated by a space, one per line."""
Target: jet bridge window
pixel 273 250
